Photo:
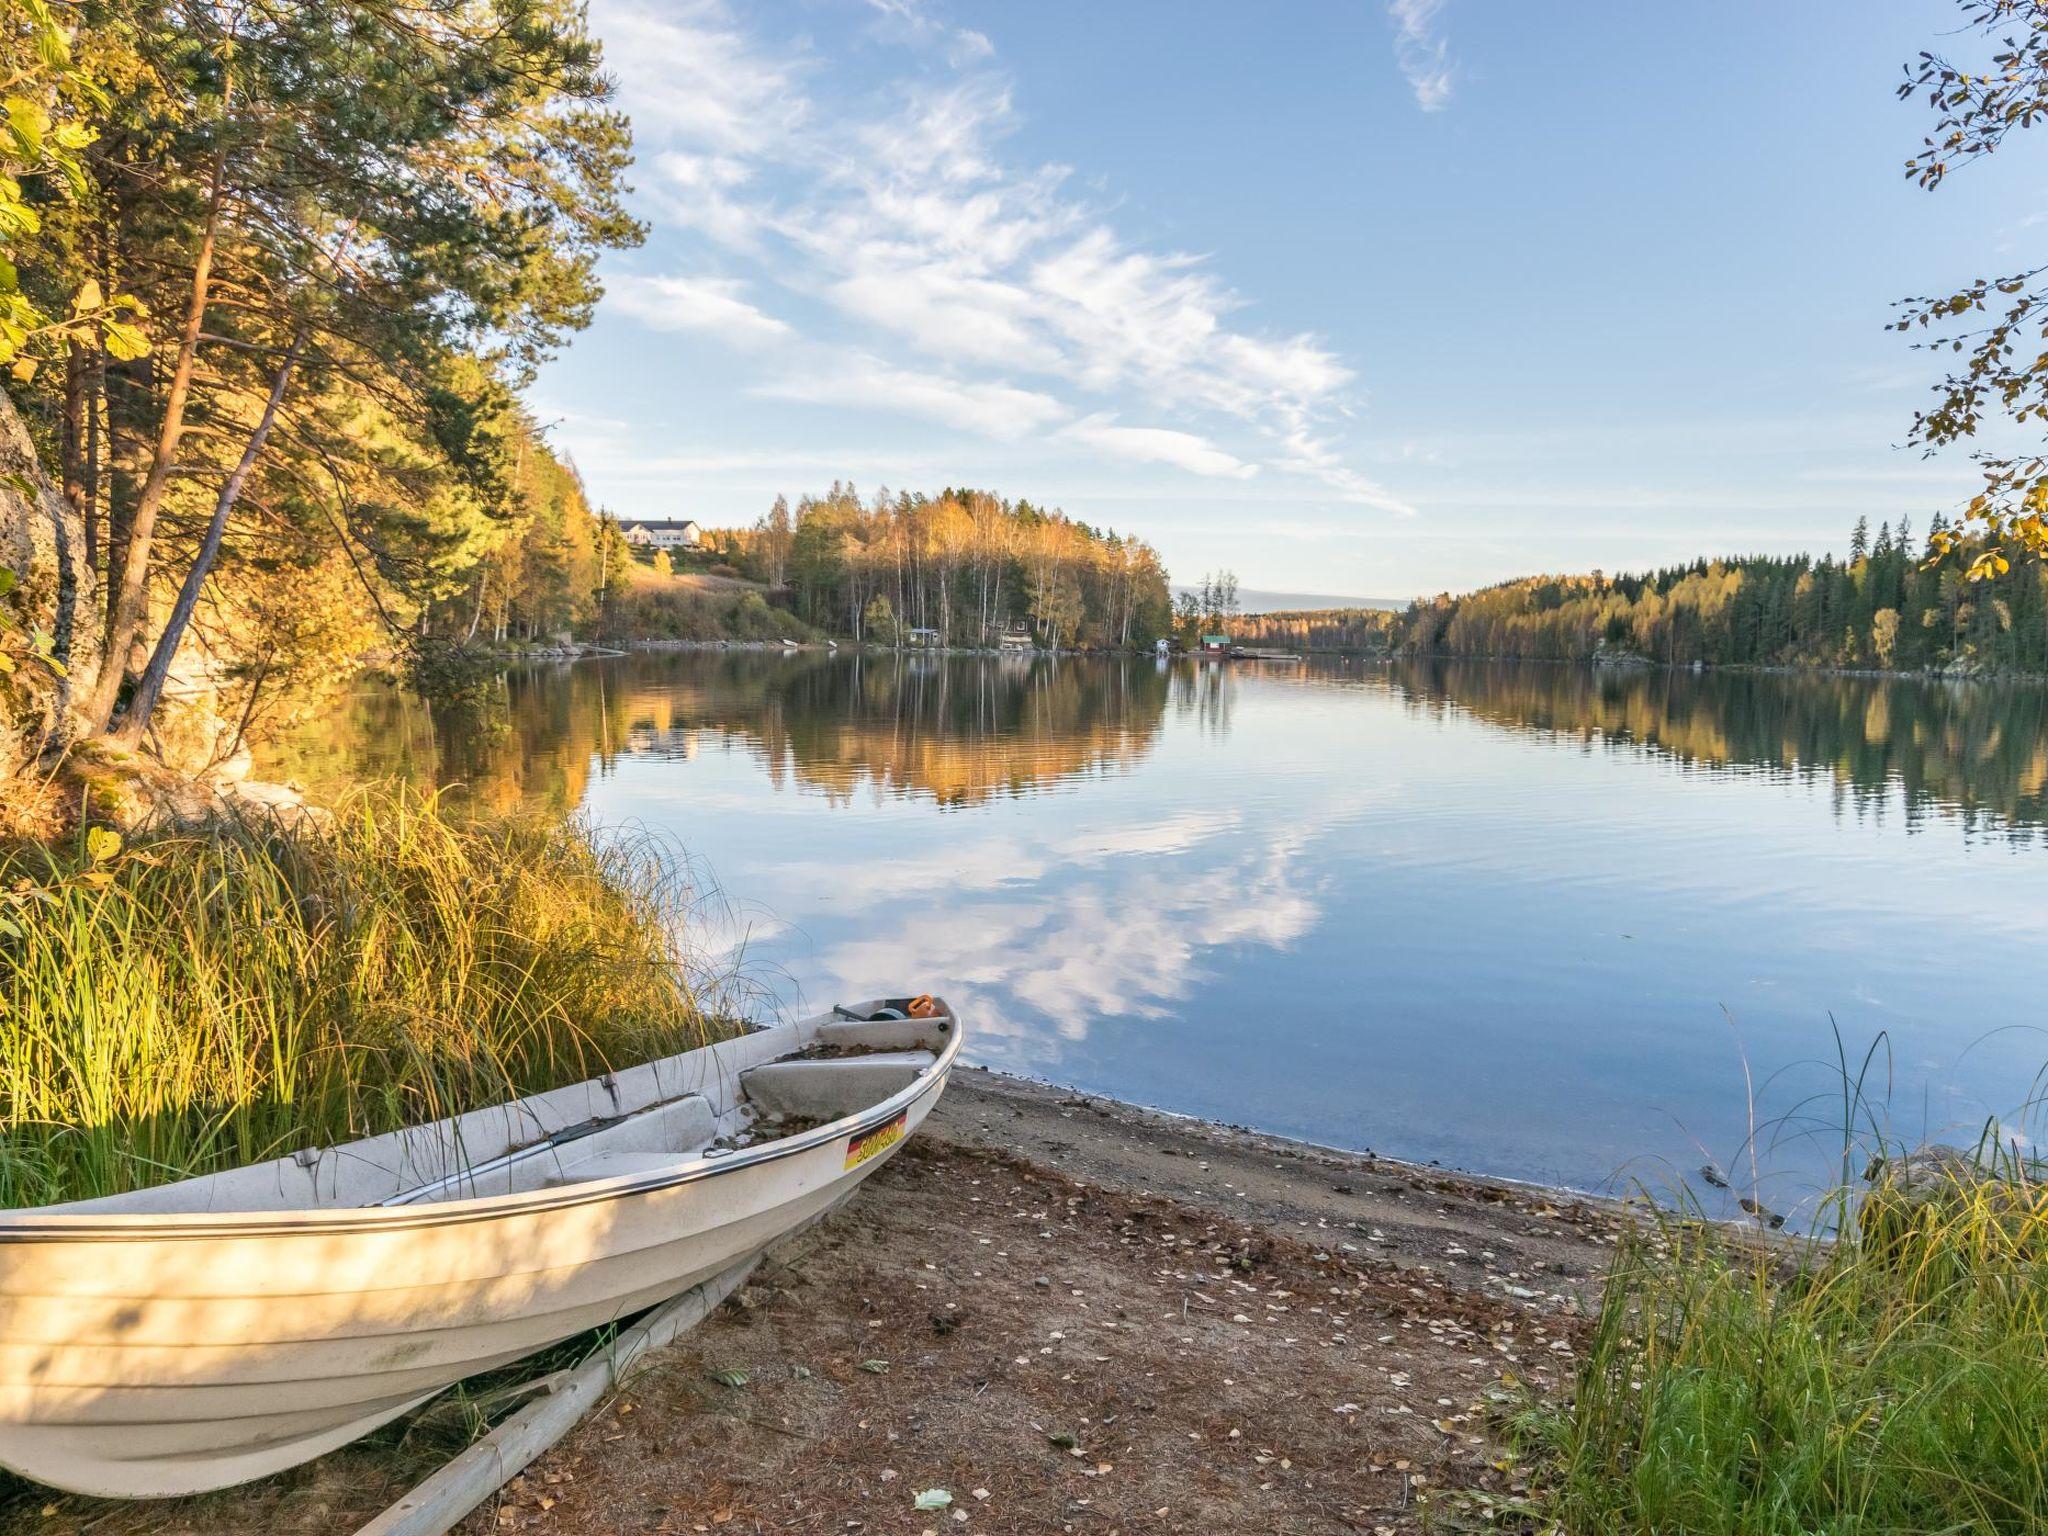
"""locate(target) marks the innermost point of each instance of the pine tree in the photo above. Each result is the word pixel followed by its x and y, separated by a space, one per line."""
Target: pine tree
pixel 340 202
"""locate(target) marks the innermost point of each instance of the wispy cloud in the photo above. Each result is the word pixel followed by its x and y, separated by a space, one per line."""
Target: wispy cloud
pixel 924 268
pixel 990 407
pixel 709 304
pixel 916 20
pixel 1159 445
pixel 1423 55
pixel 1308 454
pixel 688 73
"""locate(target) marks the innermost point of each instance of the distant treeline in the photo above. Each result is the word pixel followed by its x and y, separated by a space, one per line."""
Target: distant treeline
pixel 1319 629
pixel 967 565
pixel 1882 607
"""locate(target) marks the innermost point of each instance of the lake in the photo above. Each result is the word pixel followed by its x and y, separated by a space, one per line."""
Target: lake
pixel 1581 927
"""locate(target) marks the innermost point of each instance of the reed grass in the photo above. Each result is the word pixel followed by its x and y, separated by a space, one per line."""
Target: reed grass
pixel 199 1000
pixel 1892 1381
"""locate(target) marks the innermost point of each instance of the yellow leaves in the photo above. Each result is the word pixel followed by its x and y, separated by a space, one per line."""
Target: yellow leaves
pixel 124 341
pixel 52 42
pixel 16 217
pixel 27 124
pixel 115 319
pixel 1991 563
pixel 102 844
pixel 34 141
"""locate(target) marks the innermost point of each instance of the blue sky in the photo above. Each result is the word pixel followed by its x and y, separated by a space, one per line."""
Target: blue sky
pixel 1366 299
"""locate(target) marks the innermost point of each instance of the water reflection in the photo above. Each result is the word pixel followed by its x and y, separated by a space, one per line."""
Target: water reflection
pixel 1977 750
pixel 953 730
pixel 1131 922
pixel 1533 919
pixel 960 730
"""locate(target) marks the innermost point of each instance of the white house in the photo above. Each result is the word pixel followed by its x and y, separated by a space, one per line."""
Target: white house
pixel 684 534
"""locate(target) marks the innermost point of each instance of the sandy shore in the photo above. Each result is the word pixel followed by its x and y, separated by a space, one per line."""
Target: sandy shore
pixel 1070 1315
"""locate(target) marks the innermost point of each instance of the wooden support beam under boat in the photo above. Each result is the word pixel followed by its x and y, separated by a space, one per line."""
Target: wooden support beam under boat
pixel 440 1502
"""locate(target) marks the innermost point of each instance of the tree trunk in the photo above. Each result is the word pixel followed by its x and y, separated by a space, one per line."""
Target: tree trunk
pixel 151 687
pixel 71 431
pixel 131 594
pixel 42 541
pixel 95 440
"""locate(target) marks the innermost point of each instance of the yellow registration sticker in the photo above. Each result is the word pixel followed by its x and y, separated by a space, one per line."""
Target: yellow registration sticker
pixel 872 1144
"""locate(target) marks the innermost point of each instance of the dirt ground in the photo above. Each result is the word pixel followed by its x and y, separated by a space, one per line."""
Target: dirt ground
pixel 1069 1316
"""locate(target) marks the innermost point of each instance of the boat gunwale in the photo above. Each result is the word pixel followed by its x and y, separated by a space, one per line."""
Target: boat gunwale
pixel 27 1226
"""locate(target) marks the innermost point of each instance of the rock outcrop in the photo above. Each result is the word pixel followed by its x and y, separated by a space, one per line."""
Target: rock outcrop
pixel 1914 1195
pixel 53 596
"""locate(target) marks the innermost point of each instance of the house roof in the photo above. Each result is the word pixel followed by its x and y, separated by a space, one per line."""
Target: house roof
pixel 663 525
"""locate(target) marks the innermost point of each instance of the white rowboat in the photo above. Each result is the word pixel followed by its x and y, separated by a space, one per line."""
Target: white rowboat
pixel 199 1334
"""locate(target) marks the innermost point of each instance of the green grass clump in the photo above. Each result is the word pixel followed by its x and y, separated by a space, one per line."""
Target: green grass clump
pixel 1895 1381
pixel 198 1000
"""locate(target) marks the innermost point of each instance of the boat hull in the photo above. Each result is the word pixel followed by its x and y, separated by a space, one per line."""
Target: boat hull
pixel 147 1361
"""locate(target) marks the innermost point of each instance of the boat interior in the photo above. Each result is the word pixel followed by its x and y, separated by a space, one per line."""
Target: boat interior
pixel 716 1101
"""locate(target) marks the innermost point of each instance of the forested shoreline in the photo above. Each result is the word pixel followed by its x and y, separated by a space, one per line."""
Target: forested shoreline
pixel 1885 607
pixel 967 566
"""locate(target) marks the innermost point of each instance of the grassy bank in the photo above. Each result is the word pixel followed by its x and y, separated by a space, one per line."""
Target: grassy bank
pixel 1896 1381
pixel 197 1000
pixel 699 607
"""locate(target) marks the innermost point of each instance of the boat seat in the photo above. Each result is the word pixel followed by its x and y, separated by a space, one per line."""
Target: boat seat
pixel 611 1165
pixel 886 1034
pixel 830 1087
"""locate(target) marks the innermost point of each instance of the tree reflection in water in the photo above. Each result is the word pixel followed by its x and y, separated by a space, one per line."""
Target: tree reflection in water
pixel 960 730
pixel 1976 750
pixel 955 730
pixel 1442 892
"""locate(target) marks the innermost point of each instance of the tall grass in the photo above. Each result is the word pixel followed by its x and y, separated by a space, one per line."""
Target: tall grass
pixel 200 1000
pixel 1893 1381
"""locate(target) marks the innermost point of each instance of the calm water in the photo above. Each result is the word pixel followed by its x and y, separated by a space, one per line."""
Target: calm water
pixel 1523 919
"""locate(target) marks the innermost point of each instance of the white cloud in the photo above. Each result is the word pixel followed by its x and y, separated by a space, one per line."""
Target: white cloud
pixel 898 212
pixel 914 19
pixel 1423 56
pixel 687 73
pixel 704 192
pixel 1159 445
pixel 969 45
pixel 1308 455
pixel 709 304
pixel 1296 368
pixel 939 133
pixel 992 408
pixel 947 314
pixel 938 244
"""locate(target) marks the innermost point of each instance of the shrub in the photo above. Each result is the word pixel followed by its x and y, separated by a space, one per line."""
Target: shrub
pixel 200 1000
pixel 1890 1382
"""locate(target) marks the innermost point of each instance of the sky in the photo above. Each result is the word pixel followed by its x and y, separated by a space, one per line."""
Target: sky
pixel 1364 299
